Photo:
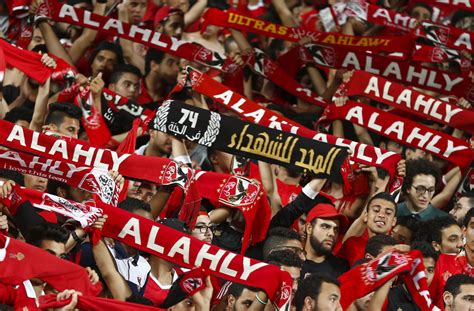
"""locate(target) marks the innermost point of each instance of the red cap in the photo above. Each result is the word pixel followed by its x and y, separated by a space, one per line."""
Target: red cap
pixel 164 12
pixel 326 211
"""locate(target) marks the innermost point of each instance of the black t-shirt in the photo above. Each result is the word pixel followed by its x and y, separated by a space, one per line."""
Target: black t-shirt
pixel 400 299
pixel 332 266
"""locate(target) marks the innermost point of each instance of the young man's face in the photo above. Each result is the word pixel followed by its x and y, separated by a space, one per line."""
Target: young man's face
pixel 460 209
pixel 329 298
pixel 36 39
pixel 322 236
pixel 380 216
pixel 128 86
pixel 104 61
pixel 469 235
pixel 430 264
pixel 169 68
pixel 451 240
pixel 174 26
pixel 464 301
pixel 422 191
pixel 69 127
pixel 243 302
pixel 161 141
pixel 136 11
pixel 54 248
pixel 402 234
pixel 420 13
pixel 202 231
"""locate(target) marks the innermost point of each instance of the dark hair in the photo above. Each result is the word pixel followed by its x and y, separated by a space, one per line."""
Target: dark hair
pixel 453 284
pixel 132 204
pixel 408 222
pixel 383 196
pixel 426 249
pixel 19 113
pixel 278 236
pixel 120 70
pixel 109 46
pixel 311 287
pixel 376 243
pixel 423 5
pixel 236 289
pixel 285 257
pixel 437 225
pixel 12 175
pixel 47 231
pixel 459 15
pixel 153 55
pixel 58 111
pixel 467 218
pixel 54 185
pixel 418 167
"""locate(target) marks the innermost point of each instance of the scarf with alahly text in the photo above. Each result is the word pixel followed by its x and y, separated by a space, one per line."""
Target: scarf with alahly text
pixel 187 50
pixel 452 37
pixel 403 130
pixel 391 68
pixel 253 112
pixel 238 21
pixel 398 96
pixel 237 192
pixel 93 180
pixel 249 140
pixel 373 274
pixel 179 248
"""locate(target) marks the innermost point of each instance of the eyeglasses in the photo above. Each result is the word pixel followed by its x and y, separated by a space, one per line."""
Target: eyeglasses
pixel 298 251
pixel 203 229
pixel 422 190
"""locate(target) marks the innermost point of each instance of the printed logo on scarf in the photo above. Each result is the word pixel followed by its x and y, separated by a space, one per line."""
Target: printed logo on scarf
pixel 239 191
pixel 100 183
pixel 322 55
pixel 283 296
pixel 192 284
pixel 177 174
pixel 380 267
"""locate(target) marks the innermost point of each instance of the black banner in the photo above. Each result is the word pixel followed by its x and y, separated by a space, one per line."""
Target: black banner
pixel 249 140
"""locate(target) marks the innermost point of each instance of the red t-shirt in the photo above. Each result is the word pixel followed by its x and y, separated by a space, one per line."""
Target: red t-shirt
pixel 353 248
pixel 144 97
pixel 446 266
pixel 156 292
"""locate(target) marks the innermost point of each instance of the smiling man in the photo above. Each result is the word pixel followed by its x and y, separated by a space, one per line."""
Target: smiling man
pixel 380 219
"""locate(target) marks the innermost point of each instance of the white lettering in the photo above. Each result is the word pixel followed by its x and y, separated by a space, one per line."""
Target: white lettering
pixel 132 227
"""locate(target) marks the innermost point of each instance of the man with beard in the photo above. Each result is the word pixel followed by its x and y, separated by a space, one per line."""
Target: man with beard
pixel 323 223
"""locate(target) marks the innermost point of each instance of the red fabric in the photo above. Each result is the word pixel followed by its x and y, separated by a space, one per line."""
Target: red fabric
pixel 239 21
pixel 187 50
pixel 18 8
pixel 373 274
pixel 30 62
pixel 446 266
pixel 155 292
pixel 93 304
pixel 128 145
pixel 144 97
pixel 287 192
pixel 403 131
pixel 384 91
pixel 183 250
pixel 394 69
pixel 467 5
pixel 37 263
pixel 353 248
pixel 253 112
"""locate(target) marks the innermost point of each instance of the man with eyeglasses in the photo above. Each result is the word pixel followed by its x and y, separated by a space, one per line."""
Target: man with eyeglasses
pixel 203 230
pixel 419 188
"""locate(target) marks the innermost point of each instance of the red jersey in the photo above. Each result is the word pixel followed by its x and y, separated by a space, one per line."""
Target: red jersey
pixel 155 291
pixel 144 97
pixel 353 248
pixel 446 266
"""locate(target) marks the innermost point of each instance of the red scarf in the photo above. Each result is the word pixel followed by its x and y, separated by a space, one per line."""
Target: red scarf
pixel 93 180
pixel 30 63
pixel 391 68
pixel 37 263
pixel 154 169
pixel 467 5
pixel 407 99
pixel 448 36
pixel 249 24
pixel 187 50
pixel 403 131
pixel 253 112
pixel 93 304
pixel 373 274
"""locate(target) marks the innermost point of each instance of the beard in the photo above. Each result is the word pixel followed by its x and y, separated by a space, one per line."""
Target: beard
pixel 319 248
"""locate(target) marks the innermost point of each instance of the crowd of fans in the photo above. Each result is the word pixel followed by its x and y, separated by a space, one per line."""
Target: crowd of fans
pixel 317 232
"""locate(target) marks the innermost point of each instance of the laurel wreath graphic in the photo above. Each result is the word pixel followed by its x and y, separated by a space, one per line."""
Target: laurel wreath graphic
pixel 162 116
pixel 212 130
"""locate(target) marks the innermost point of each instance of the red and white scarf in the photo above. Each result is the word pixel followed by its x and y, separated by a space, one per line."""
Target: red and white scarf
pixel 408 99
pixel 403 131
